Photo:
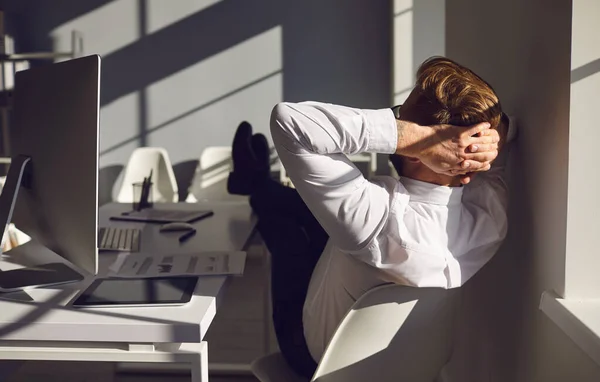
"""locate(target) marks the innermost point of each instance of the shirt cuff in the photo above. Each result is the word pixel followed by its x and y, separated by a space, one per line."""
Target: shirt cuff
pixel 383 131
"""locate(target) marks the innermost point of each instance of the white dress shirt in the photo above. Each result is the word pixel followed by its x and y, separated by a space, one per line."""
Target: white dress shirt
pixel 383 230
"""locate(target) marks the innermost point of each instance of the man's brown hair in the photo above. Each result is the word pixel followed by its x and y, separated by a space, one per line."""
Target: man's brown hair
pixel 449 93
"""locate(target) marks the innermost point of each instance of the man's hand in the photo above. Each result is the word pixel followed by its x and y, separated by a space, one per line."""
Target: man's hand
pixel 466 178
pixel 450 150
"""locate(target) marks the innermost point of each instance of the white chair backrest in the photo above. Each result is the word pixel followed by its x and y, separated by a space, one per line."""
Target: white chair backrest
pixel 393 333
pixel 215 165
pixel 142 160
pixel 210 180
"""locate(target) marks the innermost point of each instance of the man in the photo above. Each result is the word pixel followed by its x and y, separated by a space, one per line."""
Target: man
pixel 350 234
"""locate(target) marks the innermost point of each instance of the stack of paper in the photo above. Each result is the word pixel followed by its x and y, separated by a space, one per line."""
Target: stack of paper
pixel 199 264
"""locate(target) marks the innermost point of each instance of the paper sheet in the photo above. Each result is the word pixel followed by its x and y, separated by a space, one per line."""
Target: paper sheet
pixel 202 263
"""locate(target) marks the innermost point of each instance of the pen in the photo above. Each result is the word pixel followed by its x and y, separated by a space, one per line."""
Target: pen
pixel 187 235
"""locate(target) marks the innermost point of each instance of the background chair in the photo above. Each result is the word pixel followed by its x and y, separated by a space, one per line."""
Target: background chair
pixel 142 160
pixel 210 180
pixel 392 333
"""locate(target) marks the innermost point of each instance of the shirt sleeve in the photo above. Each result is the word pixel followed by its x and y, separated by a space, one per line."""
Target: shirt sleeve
pixel 312 140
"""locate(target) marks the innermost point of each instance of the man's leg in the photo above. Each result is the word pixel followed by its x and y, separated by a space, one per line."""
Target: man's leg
pixel 295 241
pixel 293 237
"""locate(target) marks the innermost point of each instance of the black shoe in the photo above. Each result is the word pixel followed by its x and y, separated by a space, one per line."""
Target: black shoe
pixel 241 148
pixel 262 153
pixel 249 169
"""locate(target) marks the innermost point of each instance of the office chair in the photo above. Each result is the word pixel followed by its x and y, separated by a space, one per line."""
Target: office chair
pixel 210 180
pixel 392 333
pixel 142 160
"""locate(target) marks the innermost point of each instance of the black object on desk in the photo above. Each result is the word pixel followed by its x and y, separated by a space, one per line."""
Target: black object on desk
pixel 163 216
pixel 186 236
pixel 132 292
pixel 141 194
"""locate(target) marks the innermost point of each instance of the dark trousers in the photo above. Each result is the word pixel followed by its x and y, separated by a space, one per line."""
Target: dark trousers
pixel 295 240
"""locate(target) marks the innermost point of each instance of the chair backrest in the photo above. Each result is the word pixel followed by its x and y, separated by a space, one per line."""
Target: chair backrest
pixel 210 180
pixel 142 160
pixel 392 333
pixel 215 165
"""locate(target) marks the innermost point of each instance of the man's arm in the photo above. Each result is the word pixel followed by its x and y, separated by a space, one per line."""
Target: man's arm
pixel 311 139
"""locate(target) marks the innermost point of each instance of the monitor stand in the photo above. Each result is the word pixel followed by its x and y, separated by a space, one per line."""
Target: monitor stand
pixel 29 255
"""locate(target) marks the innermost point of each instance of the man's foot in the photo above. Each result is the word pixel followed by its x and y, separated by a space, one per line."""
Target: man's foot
pixel 249 168
pixel 262 153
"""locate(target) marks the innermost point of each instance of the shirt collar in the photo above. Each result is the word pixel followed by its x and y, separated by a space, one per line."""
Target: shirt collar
pixel 432 193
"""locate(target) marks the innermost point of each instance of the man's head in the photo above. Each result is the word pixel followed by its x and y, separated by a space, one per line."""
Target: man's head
pixel 447 93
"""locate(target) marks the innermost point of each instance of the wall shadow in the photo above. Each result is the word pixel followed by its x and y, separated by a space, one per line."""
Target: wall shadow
pixel 335 51
pixel 584 71
pixel 184 175
pixel 107 178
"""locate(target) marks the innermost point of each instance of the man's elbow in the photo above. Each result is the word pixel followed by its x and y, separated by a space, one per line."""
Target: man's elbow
pixel 281 117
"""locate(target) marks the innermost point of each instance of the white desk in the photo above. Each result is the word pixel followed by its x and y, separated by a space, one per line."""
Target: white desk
pixel 48 329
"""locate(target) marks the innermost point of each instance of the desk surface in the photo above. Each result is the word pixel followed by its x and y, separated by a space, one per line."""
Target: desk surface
pixel 50 318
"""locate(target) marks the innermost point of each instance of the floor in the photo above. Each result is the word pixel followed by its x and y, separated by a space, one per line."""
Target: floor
pixel 236 336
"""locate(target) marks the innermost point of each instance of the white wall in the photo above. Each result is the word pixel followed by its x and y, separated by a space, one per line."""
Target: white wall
pixel 523 49
pixel 183 74
pixel 582 260
pixel 418 33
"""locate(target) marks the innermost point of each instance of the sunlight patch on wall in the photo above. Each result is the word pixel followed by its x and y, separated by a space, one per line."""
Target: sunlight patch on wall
pixel 585 36
pixel 402 6
pixel 215 125
pixel 105 29
pixel 161 13
pixel 403 54
pixel 214 77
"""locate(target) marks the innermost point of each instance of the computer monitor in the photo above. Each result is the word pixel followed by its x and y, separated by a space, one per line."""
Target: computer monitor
pixel 55 129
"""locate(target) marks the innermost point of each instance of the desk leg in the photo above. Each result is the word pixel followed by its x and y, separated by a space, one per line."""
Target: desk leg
pixel 199 365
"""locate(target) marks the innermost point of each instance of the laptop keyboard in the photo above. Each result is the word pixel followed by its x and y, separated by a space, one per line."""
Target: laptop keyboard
pixel 119 239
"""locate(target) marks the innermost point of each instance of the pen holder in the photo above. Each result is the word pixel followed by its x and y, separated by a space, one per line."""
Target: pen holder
pixel 142 195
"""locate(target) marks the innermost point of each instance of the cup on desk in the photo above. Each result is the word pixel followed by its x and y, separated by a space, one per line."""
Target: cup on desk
pixel 142 195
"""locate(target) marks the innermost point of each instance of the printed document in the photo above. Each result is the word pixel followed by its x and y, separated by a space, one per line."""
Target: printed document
pixel 198 264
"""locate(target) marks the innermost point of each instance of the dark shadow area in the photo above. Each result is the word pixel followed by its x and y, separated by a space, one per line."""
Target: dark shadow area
pixel 107 177
pixel 16 296
pixel 54 13
pixel 584 71
pixel 184 175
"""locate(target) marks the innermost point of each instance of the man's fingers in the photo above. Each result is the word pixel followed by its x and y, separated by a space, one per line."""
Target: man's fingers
pixel 483 156
pixel 472 165
pixel 484 140
pixel 489 132
pixel 481 148
pixel 465 179
pixel 476 129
